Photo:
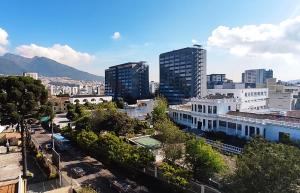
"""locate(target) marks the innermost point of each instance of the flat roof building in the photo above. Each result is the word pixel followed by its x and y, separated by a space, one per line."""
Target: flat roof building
pixel 183 74
pixel 129 81
pixel 224 115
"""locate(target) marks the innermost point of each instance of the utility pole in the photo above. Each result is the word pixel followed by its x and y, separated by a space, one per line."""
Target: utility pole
pixel 52 128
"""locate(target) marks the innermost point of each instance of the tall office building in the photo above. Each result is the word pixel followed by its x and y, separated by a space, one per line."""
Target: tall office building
pixel 256 76
pixel 183 74
pixel 129 81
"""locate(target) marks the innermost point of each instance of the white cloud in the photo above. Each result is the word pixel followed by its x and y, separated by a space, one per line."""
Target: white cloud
pixel 3 41
pixel 60 53
pixel 265 40
pixel 116 36
pixel 194 41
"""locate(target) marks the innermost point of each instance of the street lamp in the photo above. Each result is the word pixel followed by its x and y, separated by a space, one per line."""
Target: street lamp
pixel 52 128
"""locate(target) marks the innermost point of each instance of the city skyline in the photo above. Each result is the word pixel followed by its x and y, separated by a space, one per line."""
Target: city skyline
pixel 93 36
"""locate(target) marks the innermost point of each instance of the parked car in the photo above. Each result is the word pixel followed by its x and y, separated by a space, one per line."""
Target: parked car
pixel 78 172
pixel 121 186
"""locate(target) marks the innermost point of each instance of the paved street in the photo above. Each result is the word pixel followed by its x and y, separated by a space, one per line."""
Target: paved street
pixel 96 176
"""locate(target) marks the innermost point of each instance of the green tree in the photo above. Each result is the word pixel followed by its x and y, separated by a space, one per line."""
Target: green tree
pixel 169 132
pixel 203 159
pixel 87 140
pixel 266 167
pixel 173 152
pixel 160 109
pixel 20 99
pixel 115 149
pixel 71 112
pixel 175 174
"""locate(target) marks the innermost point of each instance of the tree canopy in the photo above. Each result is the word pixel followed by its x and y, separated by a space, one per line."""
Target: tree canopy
pixel 160 109
pixel 20 97
pixel 267 167
pixel 203 159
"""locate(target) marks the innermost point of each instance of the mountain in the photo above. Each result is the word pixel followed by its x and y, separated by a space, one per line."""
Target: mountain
pixel 12 64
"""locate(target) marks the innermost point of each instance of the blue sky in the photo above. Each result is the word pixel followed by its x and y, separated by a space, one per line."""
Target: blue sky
pixel 80 33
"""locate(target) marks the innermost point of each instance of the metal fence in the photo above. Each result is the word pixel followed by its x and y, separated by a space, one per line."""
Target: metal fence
pixel 225 147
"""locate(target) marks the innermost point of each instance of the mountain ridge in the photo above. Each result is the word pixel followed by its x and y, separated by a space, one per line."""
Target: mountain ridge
pixel 12 64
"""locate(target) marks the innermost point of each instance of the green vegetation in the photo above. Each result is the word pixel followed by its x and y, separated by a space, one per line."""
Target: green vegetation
pixel 177 175
pixel 86 190
pixel 200 157
pixel 160 110
pixel 266 167
pixel 203 159
pixel 102 131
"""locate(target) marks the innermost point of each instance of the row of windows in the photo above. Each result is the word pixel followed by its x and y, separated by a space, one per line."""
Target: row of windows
pixel 248 94
pixel 202 109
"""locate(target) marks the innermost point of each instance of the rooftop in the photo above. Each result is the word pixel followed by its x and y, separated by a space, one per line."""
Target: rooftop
pixel 266 116
pixel 10 168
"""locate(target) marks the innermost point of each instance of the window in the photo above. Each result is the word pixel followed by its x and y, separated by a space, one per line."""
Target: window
pixel 257 131
pixel 209 109
pixel 222 123
pixel 246 130
pixel 215 110
pixel 252 130
pixel 204 122
pixel 200 108
pixel 214 124
pixel 229 108
pixel 231 125
pixel 204 110
pixel 192 107
pixel 209 125
pixel 239 127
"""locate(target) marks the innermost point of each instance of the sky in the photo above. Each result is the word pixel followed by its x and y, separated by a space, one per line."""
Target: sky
pixel 92 35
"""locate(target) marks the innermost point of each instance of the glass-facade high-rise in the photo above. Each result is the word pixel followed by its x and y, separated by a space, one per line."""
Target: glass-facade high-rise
pixel 183 74
pixel 129 81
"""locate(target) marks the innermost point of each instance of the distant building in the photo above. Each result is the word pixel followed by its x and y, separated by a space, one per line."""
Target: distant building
pixel 183 74
pixel 33 75
pixel 283 97
pixel 253 99
pixel 140 109
pixel 100 90
pixel 129 81
pixel 153 87
pixel 94 99
pixel 215 79
pixel 59 103
pixel 257 76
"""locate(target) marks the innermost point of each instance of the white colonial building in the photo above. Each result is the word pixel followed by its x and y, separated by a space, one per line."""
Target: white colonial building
pixel 251 99
pixel 94 99
pixel 223 113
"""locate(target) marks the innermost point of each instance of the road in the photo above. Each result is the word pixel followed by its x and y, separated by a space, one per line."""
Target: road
pixel 97 175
